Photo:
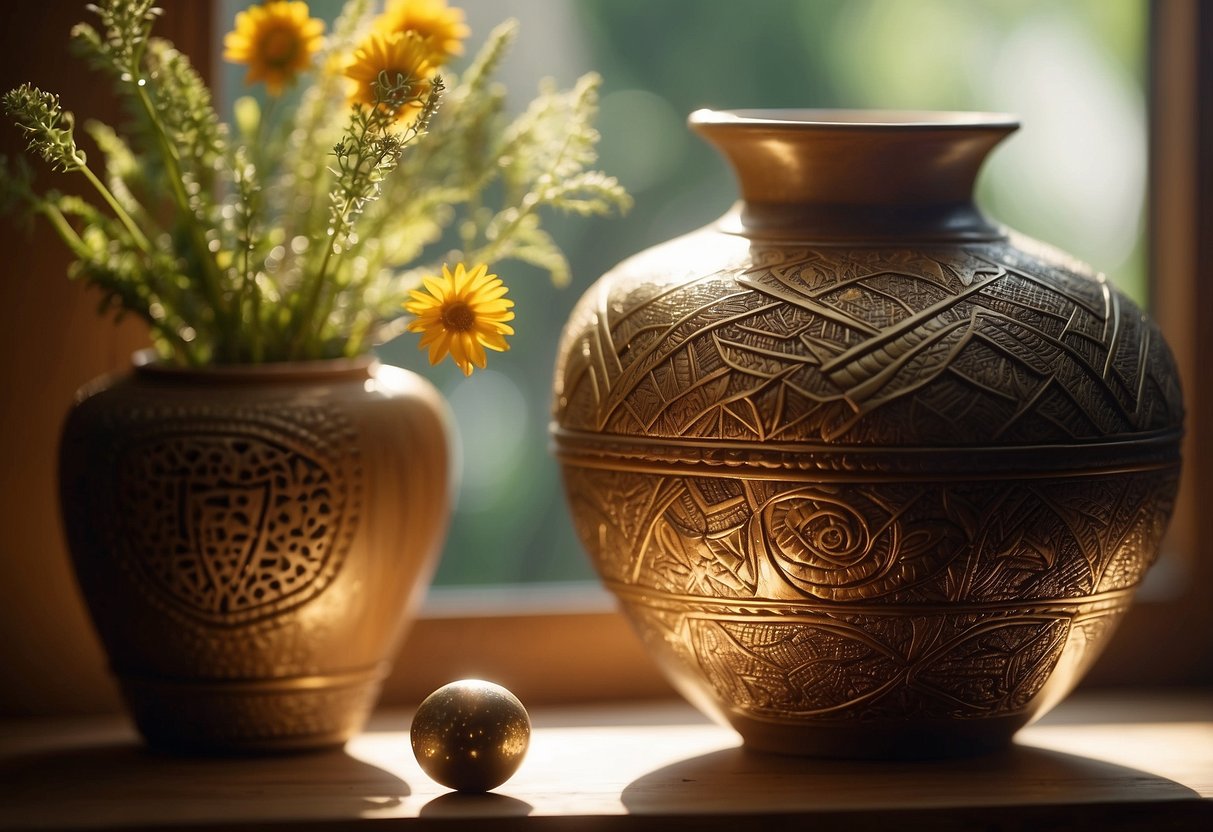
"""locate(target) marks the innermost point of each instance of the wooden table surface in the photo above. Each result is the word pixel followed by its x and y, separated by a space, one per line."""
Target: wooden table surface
pixel 1106 762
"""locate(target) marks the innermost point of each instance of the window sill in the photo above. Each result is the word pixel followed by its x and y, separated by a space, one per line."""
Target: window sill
pixel 1116 762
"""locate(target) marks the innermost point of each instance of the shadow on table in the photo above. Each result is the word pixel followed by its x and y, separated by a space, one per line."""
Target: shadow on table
pixel 472 806
pixel 128 784
pixel 735 781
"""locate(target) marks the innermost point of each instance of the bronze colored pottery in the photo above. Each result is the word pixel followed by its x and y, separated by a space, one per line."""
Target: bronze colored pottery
pixel 251 542
pixel 871 475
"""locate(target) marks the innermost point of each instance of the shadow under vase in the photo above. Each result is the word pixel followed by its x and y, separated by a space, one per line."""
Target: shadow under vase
pixel 1024 785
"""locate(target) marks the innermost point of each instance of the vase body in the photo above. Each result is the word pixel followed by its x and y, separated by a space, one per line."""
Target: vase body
pixel 252 542
pixel 870 475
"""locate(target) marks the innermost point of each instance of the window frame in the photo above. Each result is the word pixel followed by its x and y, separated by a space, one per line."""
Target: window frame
pixel 1169 641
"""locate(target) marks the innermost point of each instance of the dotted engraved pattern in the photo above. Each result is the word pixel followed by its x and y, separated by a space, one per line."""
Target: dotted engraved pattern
pixel 899 584
pixel 233 516
pixel 978 344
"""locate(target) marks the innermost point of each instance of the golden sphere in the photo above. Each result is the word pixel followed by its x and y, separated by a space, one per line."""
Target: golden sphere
pixel 470 735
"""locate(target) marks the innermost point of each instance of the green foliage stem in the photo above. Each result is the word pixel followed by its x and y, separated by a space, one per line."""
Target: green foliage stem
pixel 302 236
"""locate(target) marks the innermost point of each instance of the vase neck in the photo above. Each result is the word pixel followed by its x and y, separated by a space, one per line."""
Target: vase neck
pixel 825 175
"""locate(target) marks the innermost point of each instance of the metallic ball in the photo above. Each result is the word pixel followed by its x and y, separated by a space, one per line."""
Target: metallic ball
pixel 470 735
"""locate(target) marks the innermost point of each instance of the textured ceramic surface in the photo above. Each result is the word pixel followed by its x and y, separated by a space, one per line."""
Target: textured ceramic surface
pixel 870 475
pixel 251 542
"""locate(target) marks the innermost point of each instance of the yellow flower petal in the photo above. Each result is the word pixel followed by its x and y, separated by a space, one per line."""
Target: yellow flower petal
pixel 398 55
pixel 276 40
pixel 441 28
pixel 461 313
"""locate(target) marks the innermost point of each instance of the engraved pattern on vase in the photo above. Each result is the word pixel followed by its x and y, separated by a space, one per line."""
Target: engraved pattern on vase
pixel 854 666
pixel 248 564
pixel 742 449
pixel 232 516
pixel 1006 343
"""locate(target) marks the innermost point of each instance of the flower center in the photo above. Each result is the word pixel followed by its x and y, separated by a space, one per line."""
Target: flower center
pixel 398 96
pixel 278 46
pixel 458 316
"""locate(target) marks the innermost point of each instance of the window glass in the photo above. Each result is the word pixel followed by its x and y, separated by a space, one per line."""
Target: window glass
pixel 1075 175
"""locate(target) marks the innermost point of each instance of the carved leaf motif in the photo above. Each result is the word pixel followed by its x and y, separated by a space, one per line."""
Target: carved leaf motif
pixel 958 508
pixel 995 667
pixel 919 558
pixel 1030 348
pixel 924 543
pixel 792 669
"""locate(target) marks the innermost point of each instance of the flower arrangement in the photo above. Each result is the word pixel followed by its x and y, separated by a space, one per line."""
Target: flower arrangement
pixel 307 229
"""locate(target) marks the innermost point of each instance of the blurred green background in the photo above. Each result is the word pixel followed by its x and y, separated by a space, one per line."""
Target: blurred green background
pixel 1074 176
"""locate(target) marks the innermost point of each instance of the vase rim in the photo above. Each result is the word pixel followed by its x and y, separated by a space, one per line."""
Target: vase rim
pixel 857 119
pixel 147 362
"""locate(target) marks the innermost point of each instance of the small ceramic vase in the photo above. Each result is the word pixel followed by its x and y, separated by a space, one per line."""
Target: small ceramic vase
pixel 252 542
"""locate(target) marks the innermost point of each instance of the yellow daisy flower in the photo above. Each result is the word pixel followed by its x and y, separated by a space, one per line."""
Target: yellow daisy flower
pixel 276 39
pixel 461 314
pixel 440 26
pixel 396 54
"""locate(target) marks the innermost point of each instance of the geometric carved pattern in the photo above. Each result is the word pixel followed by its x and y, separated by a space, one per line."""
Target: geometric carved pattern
pixel 831 548
pixel 227 522
pixel 899 598
pixel 842 483
pixel 223 527
pixel 895 542
pixel 984 343
pixel 826 668
pixel 870 601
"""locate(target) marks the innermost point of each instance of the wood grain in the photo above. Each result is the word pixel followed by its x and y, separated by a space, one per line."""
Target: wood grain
pixel 1112 762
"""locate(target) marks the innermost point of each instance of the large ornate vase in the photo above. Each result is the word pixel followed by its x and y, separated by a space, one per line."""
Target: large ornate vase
pixel 870 475
pixel 252 541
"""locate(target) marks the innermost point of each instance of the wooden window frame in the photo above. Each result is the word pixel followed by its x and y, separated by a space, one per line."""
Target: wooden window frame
pixel 1170 640
pixel 550 644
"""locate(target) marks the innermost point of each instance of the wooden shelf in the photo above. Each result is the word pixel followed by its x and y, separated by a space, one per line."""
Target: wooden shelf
pixel 1112 762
